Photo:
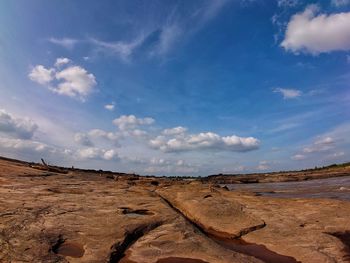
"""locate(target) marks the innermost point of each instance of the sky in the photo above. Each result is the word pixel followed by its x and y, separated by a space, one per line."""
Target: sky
pixel 176 87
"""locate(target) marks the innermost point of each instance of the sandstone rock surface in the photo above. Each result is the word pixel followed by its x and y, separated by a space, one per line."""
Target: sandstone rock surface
pixel 86 216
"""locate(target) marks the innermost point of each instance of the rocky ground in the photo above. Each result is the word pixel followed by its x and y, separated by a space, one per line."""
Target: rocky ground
pixel 289 176
pixel 53 215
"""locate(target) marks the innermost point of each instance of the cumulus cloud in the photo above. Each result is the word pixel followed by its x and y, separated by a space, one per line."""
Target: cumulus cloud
pixel 97 153
pixel 22 128
pixel 61 61
pixel 97 138
pixel 26 145
pixel 288 93
pixel 174 131
pixel 82 139
pixel 75 82
pixel 98 133
pixel 127 122
pixel 72 81
pixel 202 141
pixel 161 165
pixel 110 107
pixel 315 33
pixel 339 3
pixel 42 75
pixel 33 149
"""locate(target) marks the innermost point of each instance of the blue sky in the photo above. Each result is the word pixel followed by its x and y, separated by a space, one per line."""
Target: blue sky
pixel 176 87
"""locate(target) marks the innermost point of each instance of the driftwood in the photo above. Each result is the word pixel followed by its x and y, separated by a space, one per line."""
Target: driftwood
pixel 45 167
pixel 42 160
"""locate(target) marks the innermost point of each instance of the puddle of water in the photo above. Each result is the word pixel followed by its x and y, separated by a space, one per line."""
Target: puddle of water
pixel 180 260
pixel 336 188
pixel 135 212
pixel 254 250
pixel 71 249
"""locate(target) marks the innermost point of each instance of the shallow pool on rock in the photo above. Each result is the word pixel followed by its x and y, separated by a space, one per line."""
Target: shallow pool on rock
pixel 335 188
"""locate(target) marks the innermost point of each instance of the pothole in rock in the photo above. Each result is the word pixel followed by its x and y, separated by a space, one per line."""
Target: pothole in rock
pixel 180 260
pixel 66 248
pixel 344 237
pixel 258 251
pixel 137 212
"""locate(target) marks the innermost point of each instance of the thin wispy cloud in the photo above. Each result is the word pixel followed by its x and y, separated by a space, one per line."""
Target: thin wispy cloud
pixel 170 31
pixel 65 42
pixel 340 3
pixel 288 3
pixel 123 50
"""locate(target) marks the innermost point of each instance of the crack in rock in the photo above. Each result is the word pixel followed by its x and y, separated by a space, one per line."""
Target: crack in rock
pixel 130 237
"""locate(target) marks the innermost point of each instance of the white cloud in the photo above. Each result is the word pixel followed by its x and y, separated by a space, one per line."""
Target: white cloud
pixel 33 150
pixel 98 138
pixel 263 166
pixel 329 146
pixel 159 161
pixel 97 154
pixel 175 131
pixel 41 74
pixel 126 122
pixel 207 140
pixel 339 3
pixel 161 165
pixel 136 133
pixel 65 42
pixel 110 107
pixel 288 93
pixel 25 145
pixel 336 155
pixel 73 81
pixel 322 144
pixel 311 33
pixel 98 133
pixel 61 61
pixel 298 157
pixel 82 139
pixel 324 140
pixel 22 128
pixel 110 155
